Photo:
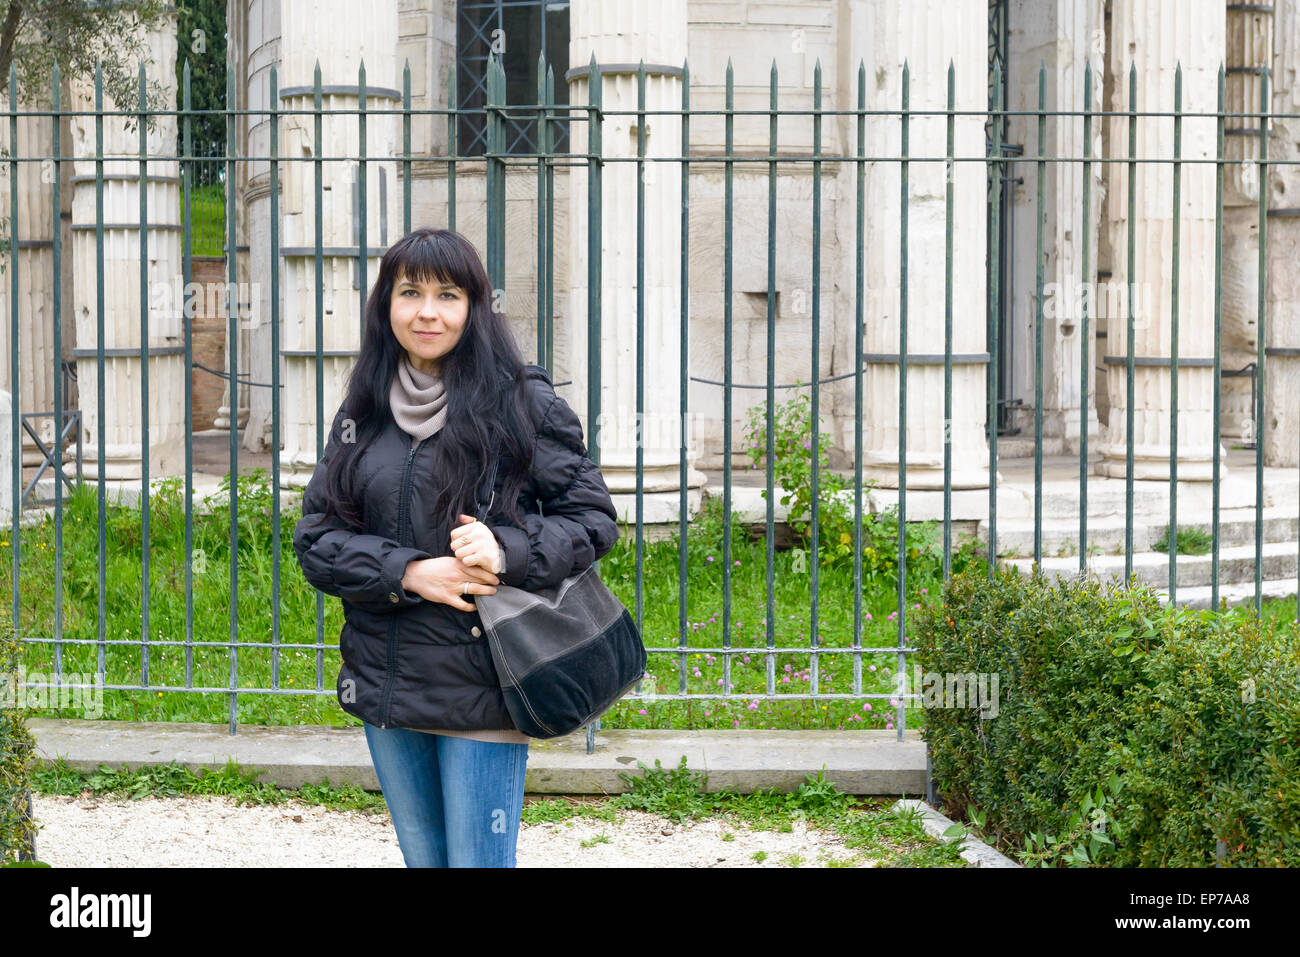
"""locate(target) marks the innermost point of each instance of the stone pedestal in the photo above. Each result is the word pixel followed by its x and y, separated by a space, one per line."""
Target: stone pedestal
pixel 1156 35
pixel 620 35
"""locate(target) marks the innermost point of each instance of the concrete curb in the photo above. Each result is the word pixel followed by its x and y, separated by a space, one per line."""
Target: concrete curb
pixel 867 762
pixel 973 849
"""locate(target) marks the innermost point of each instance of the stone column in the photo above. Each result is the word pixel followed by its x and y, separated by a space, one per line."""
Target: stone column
pixel 1282 290
pixel 1250 48
pixel 1156 35
pixel 338 35
pixel 928 35
pixel 34 220
pixel 620 36
pixel 124 435
pixel 1065 37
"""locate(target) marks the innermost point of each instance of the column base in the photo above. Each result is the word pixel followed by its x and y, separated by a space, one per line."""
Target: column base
pixel 926 477
pixel 1152 464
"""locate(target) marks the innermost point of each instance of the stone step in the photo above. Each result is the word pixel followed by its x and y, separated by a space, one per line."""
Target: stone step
pixel 1198 596
pixel 1236 566
pixel 1060 535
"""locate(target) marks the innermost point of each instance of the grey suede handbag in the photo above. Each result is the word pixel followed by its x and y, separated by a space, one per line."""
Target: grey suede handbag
pixel 563 655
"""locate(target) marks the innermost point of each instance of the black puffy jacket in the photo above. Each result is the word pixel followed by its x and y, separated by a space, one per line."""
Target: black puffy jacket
pixel 412 663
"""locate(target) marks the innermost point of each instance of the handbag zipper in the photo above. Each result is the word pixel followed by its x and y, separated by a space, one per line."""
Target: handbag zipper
pixel 403 513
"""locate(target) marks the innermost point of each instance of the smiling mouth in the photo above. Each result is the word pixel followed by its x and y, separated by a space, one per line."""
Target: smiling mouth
pixel 428 335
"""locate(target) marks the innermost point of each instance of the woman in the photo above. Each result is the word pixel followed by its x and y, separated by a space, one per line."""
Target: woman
pixel 439 392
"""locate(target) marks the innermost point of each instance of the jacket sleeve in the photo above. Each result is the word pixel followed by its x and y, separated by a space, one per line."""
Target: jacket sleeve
pixel 578 523
pixel 365 570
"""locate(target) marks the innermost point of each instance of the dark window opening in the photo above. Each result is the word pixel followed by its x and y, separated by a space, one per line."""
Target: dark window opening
pixel 520 30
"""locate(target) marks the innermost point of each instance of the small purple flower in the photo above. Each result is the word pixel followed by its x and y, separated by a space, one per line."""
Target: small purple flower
pixel 642 711
pixel 737 561
pixel 807 445
pixel 925 591
pixel 710 558
pixel 873 667
pixel 866 706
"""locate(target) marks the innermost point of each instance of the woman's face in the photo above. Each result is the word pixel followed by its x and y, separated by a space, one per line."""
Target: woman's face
pixel 428 319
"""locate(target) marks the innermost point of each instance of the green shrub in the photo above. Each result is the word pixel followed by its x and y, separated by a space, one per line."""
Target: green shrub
pixel 17 759
pixel 1125 733
pixel 792 473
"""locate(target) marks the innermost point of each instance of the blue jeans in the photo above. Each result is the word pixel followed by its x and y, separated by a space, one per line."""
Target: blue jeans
pixel 455 802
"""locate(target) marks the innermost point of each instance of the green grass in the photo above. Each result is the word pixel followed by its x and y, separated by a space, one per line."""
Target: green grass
pixel 208 205
pixel 312 671
pixel 1191 541
pixel 678 795
pixel 309 673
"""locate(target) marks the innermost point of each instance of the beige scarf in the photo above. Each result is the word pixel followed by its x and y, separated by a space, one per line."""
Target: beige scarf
pixel 418 401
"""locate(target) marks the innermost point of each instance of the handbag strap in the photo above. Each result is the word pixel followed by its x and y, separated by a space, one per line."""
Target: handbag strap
pixel 482 507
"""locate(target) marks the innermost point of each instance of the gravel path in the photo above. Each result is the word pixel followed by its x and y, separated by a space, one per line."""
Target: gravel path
pixel 96 831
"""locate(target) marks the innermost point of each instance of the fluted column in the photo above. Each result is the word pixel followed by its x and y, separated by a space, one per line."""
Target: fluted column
pixel 1282 291
pixel 1155 36
pixel 124 410
pixel 620 36
pixel 1249 49
pixel 1070 33
pixel 339 35
pixel 34 220
pixel 928 36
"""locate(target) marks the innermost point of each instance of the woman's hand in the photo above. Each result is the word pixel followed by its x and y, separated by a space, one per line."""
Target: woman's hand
pixel 448 580
pixel 474 544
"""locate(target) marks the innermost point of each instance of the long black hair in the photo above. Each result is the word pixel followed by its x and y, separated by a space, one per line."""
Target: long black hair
pixel 487 413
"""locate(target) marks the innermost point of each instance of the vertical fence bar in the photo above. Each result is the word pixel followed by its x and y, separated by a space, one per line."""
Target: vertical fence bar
pixel 1087 284
pixel 319 261
pixel 496 180
pixel 275 374
pixel 187 253
pixel 950 177
pixel 727 265
pixel 549 245
pixel 101 557
pixel 595 276
pixel 1173 338
pixel 859 253
pixel 595 279
pixel 1260 338
pixel 406 147
pixel 1218 342
pixel 903 169
pixel 16 432
pixel 995 282
pixel 56 299
pixel 1132 262
pixel 1038 316
pixel 770 660
pixel 543 206
pixel 683 397
pixel 362 207
pixel 815 671
pixel 142 116
pixel 232 334
pixel 453 144
pixel 640 342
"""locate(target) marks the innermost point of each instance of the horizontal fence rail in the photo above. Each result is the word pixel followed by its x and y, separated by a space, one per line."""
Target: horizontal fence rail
pixel 208 189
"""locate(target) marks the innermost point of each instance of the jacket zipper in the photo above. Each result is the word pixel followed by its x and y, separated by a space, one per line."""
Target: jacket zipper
pixel 403 513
